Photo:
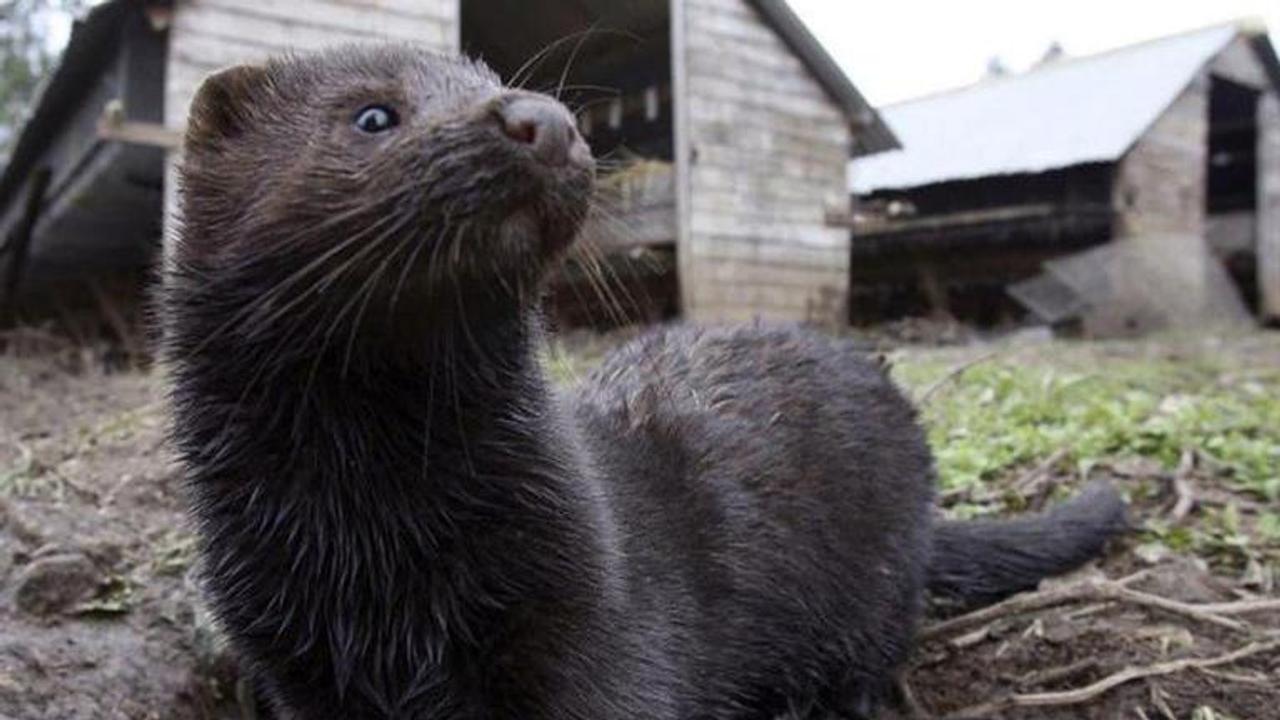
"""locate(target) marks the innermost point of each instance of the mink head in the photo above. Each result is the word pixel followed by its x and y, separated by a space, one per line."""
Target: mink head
pixel 375 176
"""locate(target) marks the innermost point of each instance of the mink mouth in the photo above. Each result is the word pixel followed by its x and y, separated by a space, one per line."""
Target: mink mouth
pixel 545 220
pixel 530 232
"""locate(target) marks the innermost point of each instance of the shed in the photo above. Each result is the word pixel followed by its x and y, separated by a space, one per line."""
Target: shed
pixel 740 123
pixel 1171 146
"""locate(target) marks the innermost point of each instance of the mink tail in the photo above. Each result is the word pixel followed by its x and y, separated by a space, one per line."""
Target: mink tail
pixel 982 561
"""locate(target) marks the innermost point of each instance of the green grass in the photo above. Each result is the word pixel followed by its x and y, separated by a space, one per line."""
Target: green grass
pixel 1003 414
pixel 1109 405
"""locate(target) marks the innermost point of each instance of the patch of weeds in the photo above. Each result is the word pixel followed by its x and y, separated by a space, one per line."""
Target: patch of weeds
pixel 1000 416
pixel 1221 539
pixel 28 477
pixel 114 598
pixel 174 553
pixel 18 479
pixel 120 428
pixel 991 423
pixel 1269 527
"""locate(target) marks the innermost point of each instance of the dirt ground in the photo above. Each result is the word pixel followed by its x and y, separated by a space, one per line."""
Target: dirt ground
pixel 100 618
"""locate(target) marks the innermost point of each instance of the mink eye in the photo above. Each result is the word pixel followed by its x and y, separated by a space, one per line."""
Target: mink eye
pixel 376 119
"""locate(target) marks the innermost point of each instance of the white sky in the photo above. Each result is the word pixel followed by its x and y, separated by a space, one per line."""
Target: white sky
pixel 899 49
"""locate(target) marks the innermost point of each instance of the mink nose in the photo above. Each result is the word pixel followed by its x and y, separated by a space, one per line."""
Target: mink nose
pixel 547 128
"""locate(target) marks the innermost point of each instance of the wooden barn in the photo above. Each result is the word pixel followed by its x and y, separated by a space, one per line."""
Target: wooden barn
pixel 1129 190
pixel 731 125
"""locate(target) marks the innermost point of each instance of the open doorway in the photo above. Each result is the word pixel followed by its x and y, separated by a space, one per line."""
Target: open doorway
pixel 610 62
pixel 1232 198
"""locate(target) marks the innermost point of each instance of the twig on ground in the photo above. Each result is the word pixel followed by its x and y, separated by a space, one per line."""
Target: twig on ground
pixel 953 374
pixel 1240 678
pixel 1157 694
pixel 1094 690
pixel 1189 610
pixel 1038 678
pixel 1035 476
pixel 1242 607
pixel 1086 611
pixel 973 638
pixel 1097 590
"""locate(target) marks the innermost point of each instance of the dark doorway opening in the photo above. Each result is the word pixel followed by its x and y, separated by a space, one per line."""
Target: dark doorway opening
pixel 1232 197
pixel 610 62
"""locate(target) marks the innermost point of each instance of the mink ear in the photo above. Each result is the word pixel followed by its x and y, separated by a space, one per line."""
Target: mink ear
pixel 223 103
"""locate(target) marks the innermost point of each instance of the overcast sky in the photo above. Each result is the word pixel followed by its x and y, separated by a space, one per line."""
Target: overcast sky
pixel 904 48
pixel 901 49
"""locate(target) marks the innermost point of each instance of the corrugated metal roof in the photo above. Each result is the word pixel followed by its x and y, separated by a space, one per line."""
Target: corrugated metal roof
pixel 1064 113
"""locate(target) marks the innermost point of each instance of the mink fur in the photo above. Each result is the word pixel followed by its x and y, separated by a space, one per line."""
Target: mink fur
pixel 401 516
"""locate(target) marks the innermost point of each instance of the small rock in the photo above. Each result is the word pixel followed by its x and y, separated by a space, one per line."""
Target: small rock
pixel 16 527
pixel 56 583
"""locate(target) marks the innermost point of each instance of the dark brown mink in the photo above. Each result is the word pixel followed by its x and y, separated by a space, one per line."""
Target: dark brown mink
pixel 401 517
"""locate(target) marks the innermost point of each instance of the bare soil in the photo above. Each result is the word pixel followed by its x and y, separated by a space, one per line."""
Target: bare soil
pixel 98 616
pixel 100 619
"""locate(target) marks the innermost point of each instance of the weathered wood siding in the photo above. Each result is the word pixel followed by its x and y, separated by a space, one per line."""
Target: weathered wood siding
pixel 636 208
pixel 1269 206
pixel 765 151
pixel 1160 183
pixel 210 34
pixel 1160 200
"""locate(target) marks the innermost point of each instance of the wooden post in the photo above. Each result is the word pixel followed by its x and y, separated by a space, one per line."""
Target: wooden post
pixel 683 157
pixel 1269 208
pixel 934 291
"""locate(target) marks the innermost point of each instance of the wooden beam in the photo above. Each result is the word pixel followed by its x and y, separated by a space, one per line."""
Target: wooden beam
pixel 961 219
pixel 683 154
pixel 1269 208
pixel 141 133
pixel 113 126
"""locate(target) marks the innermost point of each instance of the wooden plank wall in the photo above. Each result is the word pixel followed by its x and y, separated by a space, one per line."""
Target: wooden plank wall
pixel 1160 183
pixel 210 34
pixel 766 153
pixel 1160 187
pixel 1159 195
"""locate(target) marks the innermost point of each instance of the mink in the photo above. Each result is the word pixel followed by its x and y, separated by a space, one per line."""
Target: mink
pixel 401 516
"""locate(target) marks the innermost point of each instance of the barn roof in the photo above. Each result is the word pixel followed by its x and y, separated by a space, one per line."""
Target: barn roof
pixel 1063 113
